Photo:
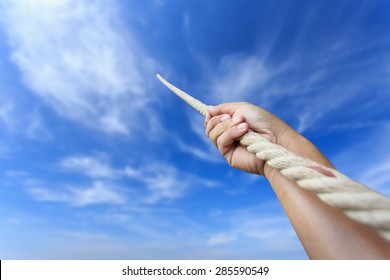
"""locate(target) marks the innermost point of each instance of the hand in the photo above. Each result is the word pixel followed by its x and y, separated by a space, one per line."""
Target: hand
pixel 227 122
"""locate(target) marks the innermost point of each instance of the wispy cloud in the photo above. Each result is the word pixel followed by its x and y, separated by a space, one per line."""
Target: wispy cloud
pixel 207 153
pixel 202 147
pixel 98 193
pixel 15 117
pixel 377 175
pixel 91 166
pixel 265 225
pixel 80 59
pixel 238 77
pixel 162 180
pixel 5 113
pixel 222 238
pixel 36 128
pixel 367 160
pixel 308 86
pixel 313 93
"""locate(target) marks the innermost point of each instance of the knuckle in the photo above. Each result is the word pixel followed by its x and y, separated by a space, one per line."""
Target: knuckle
pixel 220 133
pixel 214 139
pixel 220 141
pixel 208 130
pixel 213 136
pixel 211 124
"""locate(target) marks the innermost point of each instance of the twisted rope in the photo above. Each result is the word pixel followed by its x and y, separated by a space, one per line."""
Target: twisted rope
pixel 356 200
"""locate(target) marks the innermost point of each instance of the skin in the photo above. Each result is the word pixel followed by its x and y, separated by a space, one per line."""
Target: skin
pixel 325 232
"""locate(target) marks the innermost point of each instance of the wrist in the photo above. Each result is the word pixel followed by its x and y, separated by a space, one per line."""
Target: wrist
pixel 269 172
pixel 289 139
pixel 300 146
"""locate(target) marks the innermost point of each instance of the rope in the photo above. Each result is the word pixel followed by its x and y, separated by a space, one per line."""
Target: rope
pixel 356 200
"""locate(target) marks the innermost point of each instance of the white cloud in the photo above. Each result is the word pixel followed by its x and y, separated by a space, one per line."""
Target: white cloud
pixel 248 78
pixel 5 113
pixel 90 166
pixel 36 128
pixel 80 59
pixel 207 152
pixel 222 238
pixel 82 235
pixel 310 86
pixel 162 180
pixel 377 176
pixel 165 182
pixel 15 174
pixel 15 116
pixel 98 193
pixel 239 77
pixel 368 161
pixel 203 148
pixel 265 226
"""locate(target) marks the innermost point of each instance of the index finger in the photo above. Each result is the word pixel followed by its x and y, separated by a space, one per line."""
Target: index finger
pixel 224 108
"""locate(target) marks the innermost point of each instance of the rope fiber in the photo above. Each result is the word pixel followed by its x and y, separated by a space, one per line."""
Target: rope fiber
pixel 357 201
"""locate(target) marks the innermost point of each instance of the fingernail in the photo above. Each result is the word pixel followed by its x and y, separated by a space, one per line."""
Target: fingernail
pixel 241 126
pixel 224 118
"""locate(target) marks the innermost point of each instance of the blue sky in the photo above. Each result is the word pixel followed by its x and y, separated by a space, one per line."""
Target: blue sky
pixel 98 160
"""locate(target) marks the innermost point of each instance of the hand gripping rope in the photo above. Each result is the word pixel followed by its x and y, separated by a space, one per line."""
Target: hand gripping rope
pixel 356 200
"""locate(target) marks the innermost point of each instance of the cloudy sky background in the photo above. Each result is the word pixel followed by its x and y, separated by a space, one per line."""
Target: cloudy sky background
pixel 98 160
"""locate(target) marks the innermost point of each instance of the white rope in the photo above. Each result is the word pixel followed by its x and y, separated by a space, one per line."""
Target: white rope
pixel 356 200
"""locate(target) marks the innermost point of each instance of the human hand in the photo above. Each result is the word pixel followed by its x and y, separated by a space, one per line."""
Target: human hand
pixel 227 122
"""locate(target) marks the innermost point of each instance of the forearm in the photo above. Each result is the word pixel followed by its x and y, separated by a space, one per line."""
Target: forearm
pixel 325 232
